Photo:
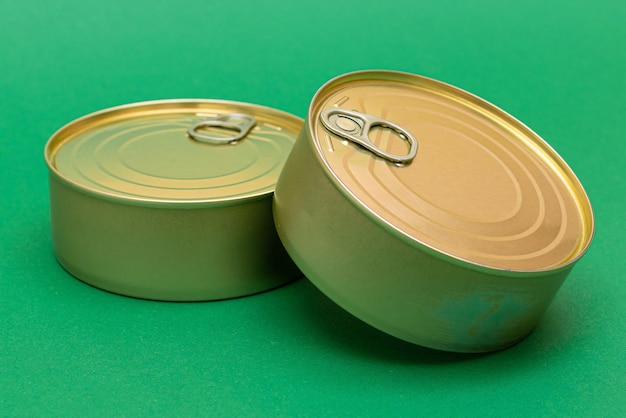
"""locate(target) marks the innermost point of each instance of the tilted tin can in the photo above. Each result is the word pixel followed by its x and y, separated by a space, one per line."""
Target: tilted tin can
pixel 429 213
pixel 171 200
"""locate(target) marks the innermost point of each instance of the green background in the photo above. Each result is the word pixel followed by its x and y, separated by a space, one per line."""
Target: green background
pixel 69 349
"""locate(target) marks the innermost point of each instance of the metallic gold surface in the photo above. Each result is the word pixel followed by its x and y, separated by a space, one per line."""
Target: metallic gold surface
pixel 141 209
pixel 143 153
pixel 483 188
pixel 461 250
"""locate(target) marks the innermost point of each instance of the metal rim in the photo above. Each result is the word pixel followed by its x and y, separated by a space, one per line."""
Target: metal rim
pixel 469 97
pixel 84 121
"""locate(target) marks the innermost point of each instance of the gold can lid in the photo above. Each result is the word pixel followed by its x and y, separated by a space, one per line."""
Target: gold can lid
pixel 445 169
pixel 175 151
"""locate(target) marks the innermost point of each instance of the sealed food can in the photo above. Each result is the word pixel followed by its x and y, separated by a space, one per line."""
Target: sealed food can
pixel 428 212
pixel 171 199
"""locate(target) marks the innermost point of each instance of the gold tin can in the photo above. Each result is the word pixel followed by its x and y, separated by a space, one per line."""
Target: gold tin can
pixel 171 200
pixel 429 213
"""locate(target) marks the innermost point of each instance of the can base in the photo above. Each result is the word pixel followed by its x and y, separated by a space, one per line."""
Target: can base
pixel 147 294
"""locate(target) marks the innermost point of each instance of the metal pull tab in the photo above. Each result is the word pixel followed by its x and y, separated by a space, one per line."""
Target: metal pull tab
pixel 238 122
pixel 356 127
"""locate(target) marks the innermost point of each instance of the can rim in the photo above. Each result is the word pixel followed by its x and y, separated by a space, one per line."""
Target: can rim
pixel 414 242
pixel 57 136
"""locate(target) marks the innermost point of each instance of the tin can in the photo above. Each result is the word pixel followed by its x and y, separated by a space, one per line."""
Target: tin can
pixel 429 213
pixel 171 200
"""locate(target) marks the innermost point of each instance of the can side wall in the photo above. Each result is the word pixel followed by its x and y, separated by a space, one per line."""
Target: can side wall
pixel 167 254
pixel 391 285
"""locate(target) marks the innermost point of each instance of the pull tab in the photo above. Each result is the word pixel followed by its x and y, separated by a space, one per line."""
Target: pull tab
pixel 356 127
pixel 238 122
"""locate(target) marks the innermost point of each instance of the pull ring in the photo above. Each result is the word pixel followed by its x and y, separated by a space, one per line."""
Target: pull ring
pixel 241 123
pixel 356 127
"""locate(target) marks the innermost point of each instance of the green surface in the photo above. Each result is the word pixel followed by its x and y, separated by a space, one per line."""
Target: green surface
pixel 69 349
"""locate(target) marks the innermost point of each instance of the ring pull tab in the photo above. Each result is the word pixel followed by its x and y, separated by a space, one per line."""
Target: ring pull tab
pixel 241 123
pixel 356 127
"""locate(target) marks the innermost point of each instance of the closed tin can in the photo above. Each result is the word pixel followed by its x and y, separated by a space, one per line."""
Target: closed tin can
pixel 171 200
pixel 429 213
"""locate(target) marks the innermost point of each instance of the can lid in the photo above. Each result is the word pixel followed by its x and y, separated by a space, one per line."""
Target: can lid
pixel 445 169
pixel 175 151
